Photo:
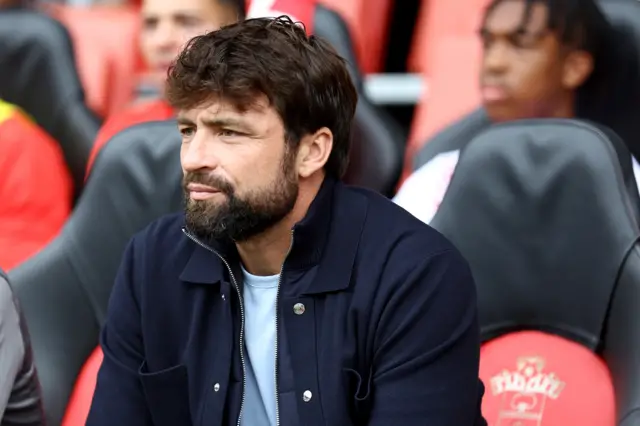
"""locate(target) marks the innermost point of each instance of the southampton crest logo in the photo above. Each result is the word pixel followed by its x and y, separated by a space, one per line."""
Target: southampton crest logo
pixel 524 392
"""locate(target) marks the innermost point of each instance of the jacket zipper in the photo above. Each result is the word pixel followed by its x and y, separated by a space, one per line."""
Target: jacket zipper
pixel 277 333
pixel 237 287
pixel 235 284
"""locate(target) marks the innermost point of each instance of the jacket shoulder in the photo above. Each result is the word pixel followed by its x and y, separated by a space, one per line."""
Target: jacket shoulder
pixel 162 238
pixel 391 227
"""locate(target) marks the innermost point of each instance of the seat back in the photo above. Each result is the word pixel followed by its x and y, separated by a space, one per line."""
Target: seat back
pixel 460 134
pixel 64 290
pixel 439 20
pixel 105 40
pixel 549 230
pixel 621 105
pixel 453 88
pixel 369 23
pixel 377 149
pixel 446 51
pixel 368 41
pixel 37 73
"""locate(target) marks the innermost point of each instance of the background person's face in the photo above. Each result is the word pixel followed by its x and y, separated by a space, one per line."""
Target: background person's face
pixel 239 176
pixel 522 72
pixel 167 25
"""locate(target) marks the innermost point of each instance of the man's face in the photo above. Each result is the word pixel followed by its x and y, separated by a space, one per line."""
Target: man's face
pixel 167 25
pixel 522 71
pixel 240 177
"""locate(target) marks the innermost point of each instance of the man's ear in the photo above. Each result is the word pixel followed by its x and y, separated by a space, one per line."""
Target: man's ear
pixel 578 66
pixel 314 152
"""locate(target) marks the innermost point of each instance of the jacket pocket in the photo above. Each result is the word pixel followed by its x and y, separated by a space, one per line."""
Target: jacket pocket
pixel 359 391
pixel 167 395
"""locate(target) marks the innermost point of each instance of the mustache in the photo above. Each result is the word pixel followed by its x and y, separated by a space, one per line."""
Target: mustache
pixel 212 181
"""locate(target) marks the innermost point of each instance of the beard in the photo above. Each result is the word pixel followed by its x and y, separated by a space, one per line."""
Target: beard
pixel 240 218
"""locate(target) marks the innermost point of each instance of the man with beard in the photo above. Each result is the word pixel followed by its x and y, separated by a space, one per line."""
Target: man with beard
pixel 282 297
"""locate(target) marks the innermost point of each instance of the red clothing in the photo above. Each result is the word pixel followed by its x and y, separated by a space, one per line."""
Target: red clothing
pixel 140 113
pixel 35 188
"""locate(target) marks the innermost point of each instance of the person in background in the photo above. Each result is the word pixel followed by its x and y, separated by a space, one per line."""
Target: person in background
pixel 5 4
pixel 281 296
pixel 167 25
pixel 540 59
pixel 35 187
pixel 20 400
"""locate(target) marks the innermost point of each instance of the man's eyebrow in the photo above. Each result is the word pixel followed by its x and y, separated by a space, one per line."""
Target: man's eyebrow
pixel 181 119
pixel 226 122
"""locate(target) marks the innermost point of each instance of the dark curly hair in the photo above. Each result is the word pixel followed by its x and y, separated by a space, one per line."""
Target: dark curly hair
pixel 302 76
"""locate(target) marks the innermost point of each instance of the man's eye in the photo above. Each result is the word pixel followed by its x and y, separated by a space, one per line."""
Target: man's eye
pixel 229 133
pixel 187 131
pixel 524 40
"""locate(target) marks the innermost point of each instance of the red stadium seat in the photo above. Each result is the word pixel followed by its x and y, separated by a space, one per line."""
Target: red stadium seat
pixel 453 91
pixel 446 52
pixel 534 378
pixel 439 19
pixel 80 401
pixel 368 23
pixel 105 41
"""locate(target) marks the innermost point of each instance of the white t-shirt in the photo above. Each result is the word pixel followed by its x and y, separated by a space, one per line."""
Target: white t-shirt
pixel 259 297
pixel 423 191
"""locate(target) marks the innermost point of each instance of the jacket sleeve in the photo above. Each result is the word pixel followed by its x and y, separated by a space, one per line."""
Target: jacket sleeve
pixel 119 398
pixel 427 348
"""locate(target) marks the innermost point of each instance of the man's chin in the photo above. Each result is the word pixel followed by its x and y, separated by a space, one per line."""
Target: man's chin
pixel 500 112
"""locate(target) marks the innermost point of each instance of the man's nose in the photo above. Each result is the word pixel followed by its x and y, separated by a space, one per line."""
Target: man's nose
pixel 165 35
pixel 496 57
pixel 197 155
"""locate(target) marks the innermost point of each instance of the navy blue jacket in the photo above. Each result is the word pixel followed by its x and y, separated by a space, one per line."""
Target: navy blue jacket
pixel 388 335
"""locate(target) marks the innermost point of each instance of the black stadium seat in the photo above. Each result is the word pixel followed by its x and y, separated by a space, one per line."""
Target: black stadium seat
pixel 377 150
pixel 552 238
pixel 37 73
pixel 64 290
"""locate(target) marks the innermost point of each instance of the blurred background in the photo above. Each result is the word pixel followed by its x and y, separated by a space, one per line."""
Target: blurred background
pixel 89 151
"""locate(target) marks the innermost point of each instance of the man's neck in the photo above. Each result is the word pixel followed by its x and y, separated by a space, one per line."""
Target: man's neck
pixel 565 108
pixel 265 254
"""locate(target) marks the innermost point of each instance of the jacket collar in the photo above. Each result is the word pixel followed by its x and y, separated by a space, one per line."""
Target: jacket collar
pixel 309 240
pixel 329 232
pixel 310 234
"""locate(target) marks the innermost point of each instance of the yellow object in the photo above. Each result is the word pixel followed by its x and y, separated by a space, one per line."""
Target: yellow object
pixel 6 111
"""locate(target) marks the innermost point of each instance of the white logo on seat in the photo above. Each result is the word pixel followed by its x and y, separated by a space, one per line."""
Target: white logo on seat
pixel 525 391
